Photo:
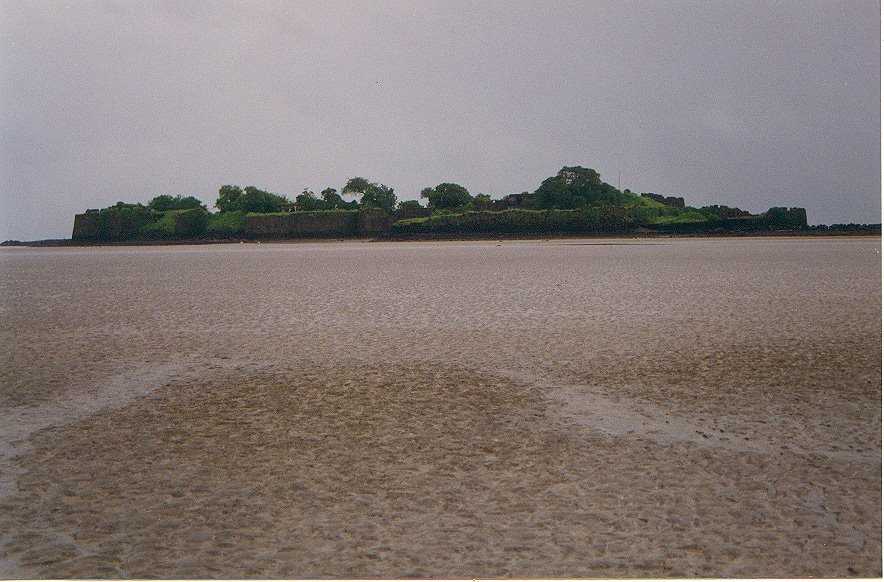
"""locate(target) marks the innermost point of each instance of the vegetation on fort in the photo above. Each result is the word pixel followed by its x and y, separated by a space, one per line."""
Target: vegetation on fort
pixel 248 199
pixel 226 224
pixel 165 202
pixel 372 194
pixel 604 219
pixel 574 200
pixel 447 196
pixel 578 187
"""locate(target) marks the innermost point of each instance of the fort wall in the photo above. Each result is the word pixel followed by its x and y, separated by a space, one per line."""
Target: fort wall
pixel 372 222
pixel 302 224
pixel 85 226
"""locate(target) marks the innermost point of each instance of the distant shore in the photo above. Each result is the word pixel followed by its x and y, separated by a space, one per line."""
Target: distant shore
pixel 66 242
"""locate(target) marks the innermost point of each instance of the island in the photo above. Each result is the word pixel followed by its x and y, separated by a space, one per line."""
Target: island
pixel 573 202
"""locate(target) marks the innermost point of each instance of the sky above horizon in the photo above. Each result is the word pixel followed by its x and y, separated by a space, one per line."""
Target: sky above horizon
pixel 749 104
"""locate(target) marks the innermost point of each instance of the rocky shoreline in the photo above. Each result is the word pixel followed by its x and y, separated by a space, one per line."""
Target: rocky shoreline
pixel 66 242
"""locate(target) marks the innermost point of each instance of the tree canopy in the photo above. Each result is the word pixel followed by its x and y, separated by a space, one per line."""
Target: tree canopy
pixel 379 196
pixel 228 198
pixel 575 187
pixel 355 186
pixel 250 199
pixel 482 202
pixel 165 202
pixel 374 195
pixel 307 201
pixel 447 195
pixel 333 200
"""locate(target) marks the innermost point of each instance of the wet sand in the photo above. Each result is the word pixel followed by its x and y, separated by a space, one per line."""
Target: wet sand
pixel 703 408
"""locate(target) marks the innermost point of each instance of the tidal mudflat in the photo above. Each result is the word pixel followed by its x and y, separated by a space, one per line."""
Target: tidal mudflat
pixel 684 407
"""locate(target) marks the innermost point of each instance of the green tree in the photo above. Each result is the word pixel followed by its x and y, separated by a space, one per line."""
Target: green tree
pixel 379 196
pixel 373 195
pixel 447 195
pixel 482 202
pixel 229 198
pixel 333 200
pixel 355 186
pixel 331 197
pixel 191 223
pixel 249 199
pixel 575 187
pixel 307 201
pixel 165 202
pixel 257 200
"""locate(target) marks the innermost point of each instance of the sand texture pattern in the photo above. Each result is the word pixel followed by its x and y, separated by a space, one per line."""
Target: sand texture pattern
pixel 705 408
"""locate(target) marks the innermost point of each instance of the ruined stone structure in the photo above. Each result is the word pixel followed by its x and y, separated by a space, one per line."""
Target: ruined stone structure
pixel 371 222
pixel 674 201
pixel 335 223
pixel 301 224
pixel 86 226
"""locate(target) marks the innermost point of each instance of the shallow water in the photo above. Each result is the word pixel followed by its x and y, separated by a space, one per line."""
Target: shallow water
pixel 730 346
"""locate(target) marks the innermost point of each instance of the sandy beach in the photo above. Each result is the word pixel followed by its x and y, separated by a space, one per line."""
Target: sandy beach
pixel 466 409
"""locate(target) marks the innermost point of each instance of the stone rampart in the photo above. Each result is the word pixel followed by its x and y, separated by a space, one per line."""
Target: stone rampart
pixel 373 222
pixel 85 226
pixel 129 223
pixel 302 224
pixel 674 201
pixel 786 218
pixel 412 212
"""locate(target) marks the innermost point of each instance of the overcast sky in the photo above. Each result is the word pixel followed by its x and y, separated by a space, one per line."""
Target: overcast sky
pixel 744 103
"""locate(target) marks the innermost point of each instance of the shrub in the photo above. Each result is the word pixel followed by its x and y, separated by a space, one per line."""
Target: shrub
pixel 686 216
pixel 176 224
pixel 190 223
pixel 159 230
pixel 163 227
pixel 226 224
pixel 122 221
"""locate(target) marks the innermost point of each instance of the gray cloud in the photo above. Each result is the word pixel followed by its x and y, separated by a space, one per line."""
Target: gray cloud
pixel 743 103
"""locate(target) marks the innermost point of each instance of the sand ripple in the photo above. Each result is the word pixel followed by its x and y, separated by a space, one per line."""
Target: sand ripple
pixel 703 408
